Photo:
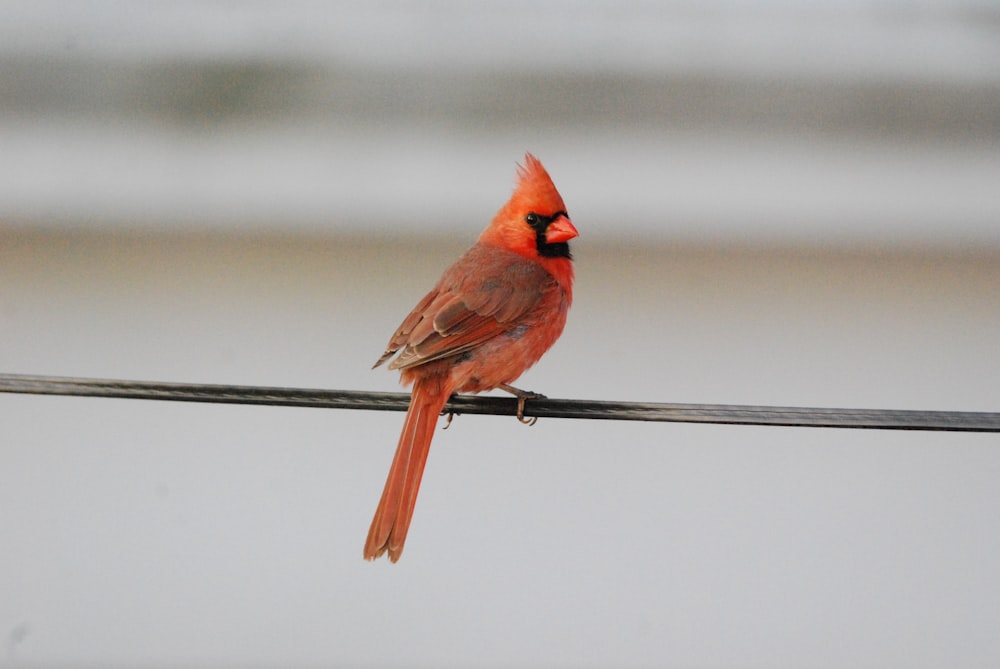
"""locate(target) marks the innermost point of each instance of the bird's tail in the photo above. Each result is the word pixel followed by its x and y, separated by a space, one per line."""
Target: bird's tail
pixel 395 509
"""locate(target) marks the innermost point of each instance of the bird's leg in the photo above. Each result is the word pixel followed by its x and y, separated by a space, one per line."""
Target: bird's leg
pixel 522 396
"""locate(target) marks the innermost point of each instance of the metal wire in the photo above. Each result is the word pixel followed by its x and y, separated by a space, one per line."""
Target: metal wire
pixel 880 419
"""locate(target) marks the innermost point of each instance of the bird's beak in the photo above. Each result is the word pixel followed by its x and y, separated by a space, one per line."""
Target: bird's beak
pixel 560 230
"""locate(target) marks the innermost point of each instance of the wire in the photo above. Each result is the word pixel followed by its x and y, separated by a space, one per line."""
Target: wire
pixel 951 421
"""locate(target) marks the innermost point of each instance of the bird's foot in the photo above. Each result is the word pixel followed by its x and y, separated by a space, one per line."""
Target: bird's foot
pixel 522 396
pixel 449 415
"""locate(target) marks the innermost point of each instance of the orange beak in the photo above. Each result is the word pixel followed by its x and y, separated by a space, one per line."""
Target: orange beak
pixel 560 230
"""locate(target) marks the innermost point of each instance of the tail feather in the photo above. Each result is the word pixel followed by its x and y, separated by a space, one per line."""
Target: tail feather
pixel 395 509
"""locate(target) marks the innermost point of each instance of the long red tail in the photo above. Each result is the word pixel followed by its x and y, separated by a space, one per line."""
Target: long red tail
pixel 395 509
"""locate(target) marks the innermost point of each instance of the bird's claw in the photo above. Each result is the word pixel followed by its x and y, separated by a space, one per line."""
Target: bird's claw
pixel 450 414
pixel 520 412
pixel 523 396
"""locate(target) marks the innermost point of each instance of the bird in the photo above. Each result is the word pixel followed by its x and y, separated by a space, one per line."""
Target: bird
pixel 490 317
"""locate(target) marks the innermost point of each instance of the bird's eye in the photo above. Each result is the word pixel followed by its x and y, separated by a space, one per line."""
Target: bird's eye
pixel 532 219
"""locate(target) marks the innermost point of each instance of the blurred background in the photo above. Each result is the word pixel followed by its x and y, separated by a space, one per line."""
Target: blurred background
pixel 790 203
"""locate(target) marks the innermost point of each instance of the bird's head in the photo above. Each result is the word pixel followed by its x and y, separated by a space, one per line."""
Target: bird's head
pixel 534 221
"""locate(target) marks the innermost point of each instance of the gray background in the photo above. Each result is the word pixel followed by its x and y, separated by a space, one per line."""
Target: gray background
pixel 790 203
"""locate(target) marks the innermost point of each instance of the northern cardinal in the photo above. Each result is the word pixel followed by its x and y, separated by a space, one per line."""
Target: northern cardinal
pixel 490 316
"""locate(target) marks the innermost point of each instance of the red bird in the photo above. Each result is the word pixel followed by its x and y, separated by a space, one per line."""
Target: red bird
pixel 490 316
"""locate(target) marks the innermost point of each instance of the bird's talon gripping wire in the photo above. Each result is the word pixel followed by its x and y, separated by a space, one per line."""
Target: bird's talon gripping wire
pixel 522 396
pixel 520 412
pixel 450 414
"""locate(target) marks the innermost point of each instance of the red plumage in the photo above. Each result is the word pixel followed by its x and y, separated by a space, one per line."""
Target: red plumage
pixel 490 316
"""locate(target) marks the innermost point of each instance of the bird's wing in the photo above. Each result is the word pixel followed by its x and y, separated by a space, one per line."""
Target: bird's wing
pixel 481 296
